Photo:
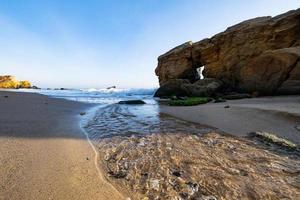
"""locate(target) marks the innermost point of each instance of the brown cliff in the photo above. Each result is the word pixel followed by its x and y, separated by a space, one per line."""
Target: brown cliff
pixel 258 55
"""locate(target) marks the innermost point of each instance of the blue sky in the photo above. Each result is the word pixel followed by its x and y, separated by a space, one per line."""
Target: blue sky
pixel 94 43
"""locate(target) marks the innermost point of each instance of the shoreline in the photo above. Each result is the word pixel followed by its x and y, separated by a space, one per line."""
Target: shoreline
pixel 54 158
pixel 195 165
pixel 90 112
pixel 277 114
pixel 44 151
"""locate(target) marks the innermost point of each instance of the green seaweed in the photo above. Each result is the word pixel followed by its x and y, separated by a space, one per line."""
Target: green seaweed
pixel 272 138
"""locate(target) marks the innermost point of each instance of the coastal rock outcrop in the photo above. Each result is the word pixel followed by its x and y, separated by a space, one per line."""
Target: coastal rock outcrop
pixel 258 55
pixel 10 82
pixel 183 87
pixel 203 87
pixel 173 87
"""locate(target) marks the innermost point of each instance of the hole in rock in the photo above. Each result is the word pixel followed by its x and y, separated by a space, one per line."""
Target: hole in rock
pixel 200 70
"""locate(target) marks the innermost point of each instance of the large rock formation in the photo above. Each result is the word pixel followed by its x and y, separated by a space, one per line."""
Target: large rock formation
pixel 10 82
pixel 258 55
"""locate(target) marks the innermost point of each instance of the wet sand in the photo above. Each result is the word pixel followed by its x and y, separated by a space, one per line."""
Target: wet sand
pixel 279 115
pixel 44 152
pixel 195 166
pixel 156 156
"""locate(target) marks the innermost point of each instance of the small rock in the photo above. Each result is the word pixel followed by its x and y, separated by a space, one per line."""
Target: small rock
pixel 5 96
pixel 87 158
pixel 144 174
pixel 297 128
pixel 184 195
pixel 193 187
pixel 82 113
pixel 231 147
pixel 35 87
pixel 176 173
pixel 227 106
pixel 111 87
pixel 175 184
pixel 132 102
pixel 119 174
pixel 142 143
pixel 154 184
pixel 208 198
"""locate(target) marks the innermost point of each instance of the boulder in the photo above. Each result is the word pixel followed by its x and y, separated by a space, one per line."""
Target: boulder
pixel 257 55
pixel 132 102
pixel 10 82
pixel 172 87
pixel 35 87
pixel 203 87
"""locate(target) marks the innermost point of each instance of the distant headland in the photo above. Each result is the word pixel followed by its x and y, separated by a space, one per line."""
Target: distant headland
pixel 10 82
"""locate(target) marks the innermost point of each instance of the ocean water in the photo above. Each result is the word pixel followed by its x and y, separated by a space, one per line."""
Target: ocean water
pixel 100 96
pixel 109 119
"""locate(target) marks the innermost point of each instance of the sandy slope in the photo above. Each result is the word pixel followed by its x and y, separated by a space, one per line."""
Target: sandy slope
pixel 278 115
pixel 44 153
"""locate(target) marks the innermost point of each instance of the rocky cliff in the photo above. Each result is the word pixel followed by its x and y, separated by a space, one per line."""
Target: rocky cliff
pixel 12 83
pixel 259 55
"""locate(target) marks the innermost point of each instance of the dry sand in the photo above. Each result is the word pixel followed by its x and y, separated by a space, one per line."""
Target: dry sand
pixel 43 152
pixel 279 115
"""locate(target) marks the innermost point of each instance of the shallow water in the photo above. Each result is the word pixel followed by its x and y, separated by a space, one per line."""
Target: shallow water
pixel 138 120
pixel 111 119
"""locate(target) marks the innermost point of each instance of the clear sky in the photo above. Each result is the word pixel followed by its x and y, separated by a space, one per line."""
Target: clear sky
pixel 99 43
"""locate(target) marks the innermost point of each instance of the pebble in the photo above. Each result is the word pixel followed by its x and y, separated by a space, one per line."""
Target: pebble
pixel 176 173
pixel 184 195
pixel 297 128
pixel 227 106
pixel 208 198
pixel 154 183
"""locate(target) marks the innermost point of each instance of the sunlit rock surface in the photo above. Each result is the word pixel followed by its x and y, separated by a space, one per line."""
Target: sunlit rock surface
pixel 258 55
pixel 10 82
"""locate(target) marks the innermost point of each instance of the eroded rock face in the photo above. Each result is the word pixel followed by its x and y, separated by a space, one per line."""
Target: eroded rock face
pixel 257 55
pixel 10 82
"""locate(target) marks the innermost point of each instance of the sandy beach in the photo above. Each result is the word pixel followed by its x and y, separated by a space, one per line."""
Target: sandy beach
pixel 44 152
pixel 279 115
